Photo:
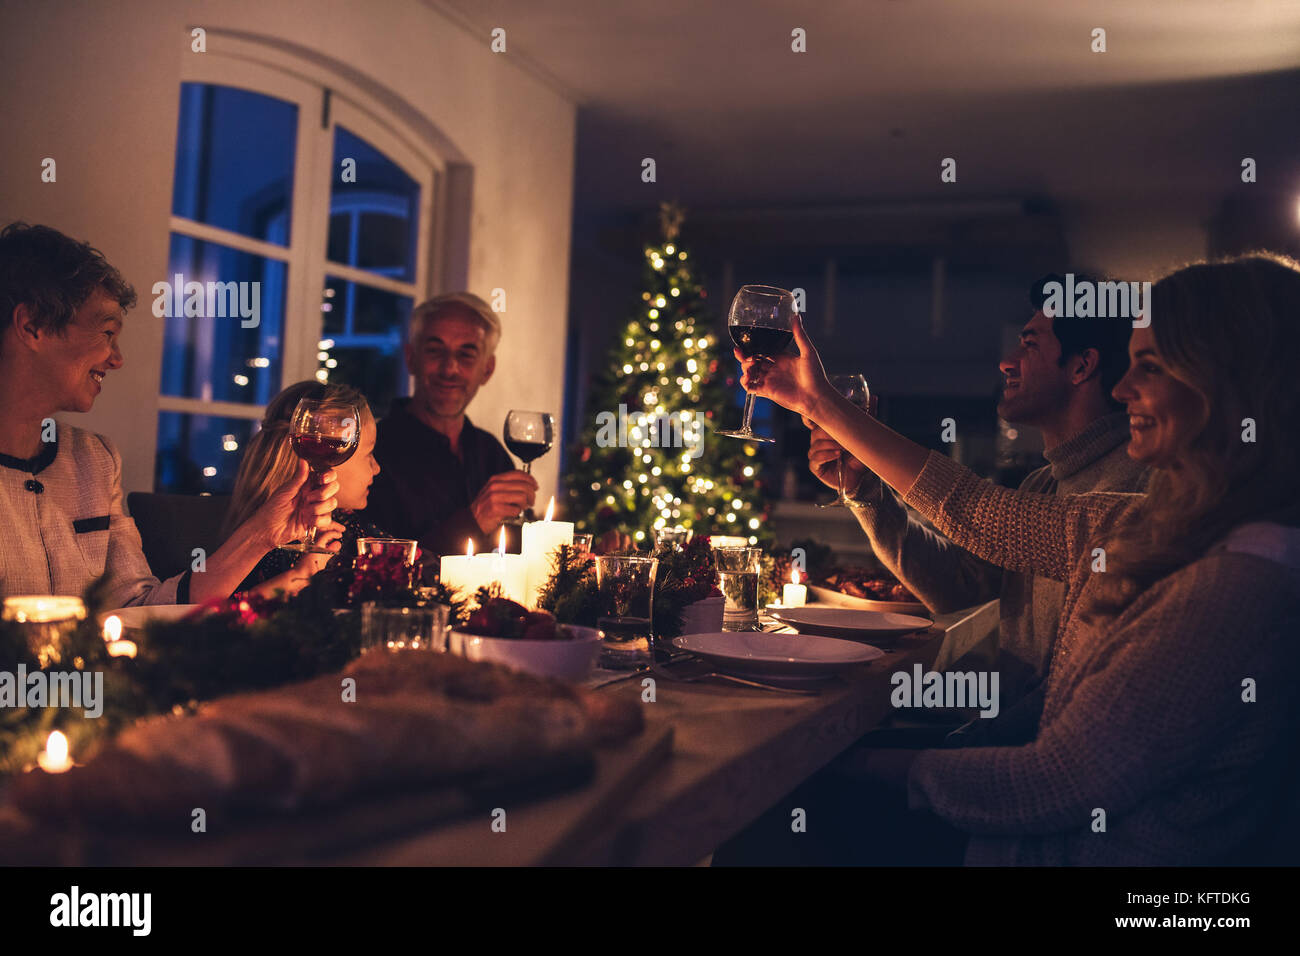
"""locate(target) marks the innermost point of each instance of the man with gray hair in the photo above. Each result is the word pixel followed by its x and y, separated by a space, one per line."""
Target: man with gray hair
pixel 443 481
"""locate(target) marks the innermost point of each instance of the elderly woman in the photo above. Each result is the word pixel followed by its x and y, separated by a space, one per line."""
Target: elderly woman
pixel 62 306
pixel 1165 732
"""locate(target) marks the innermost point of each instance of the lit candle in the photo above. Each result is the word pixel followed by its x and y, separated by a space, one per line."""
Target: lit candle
pixel 508 570
pixel 794 594
pixel 540 539
pixel 473 571
pixel 55 757
pixel 113 638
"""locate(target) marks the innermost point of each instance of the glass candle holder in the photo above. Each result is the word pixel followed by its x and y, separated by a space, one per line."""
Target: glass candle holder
pixel 672 537
pixel 48 621
pixel 403 628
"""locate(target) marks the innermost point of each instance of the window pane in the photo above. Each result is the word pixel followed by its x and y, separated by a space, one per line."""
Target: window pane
pixel 365 328
pixel 198 453
pixel 234 160
pixel 372 220
pixel 212 357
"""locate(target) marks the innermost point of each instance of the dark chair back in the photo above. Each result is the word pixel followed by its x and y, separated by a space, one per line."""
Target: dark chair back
pixel 172 526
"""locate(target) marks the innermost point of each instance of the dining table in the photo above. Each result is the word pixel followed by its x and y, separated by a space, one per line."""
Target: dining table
pixel 713 757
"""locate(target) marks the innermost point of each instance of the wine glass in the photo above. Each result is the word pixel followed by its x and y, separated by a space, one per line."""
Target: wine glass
pixel 854 388
pixel 529 435
pixel 761 325
pixel 325 434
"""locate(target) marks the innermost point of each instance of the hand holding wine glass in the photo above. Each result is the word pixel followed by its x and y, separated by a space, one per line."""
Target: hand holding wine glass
pixel 797 382
pixel 529 436
pixel 839 476
pixel 324 434
pixel 760 322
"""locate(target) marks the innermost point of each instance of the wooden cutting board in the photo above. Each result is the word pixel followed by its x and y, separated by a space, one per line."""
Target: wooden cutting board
pixel 545 810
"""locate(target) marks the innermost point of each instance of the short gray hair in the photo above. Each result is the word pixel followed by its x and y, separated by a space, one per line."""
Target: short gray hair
pixel 466 302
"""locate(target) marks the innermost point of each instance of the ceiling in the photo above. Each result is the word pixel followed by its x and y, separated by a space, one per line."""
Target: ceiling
pixel 888 88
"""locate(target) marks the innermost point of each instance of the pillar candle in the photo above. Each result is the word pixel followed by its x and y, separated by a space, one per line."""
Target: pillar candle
pixel 540 539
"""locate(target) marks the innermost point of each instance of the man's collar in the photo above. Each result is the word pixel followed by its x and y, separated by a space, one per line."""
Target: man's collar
pixel 401 409
pixel 1099 438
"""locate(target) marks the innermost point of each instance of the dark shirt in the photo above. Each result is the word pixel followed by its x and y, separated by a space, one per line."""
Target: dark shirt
pixel 277 562
pixel 424 490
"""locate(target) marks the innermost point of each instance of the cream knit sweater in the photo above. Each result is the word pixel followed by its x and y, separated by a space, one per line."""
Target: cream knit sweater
pixel 1144 718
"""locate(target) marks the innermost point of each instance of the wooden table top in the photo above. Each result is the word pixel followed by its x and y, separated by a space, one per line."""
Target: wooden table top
pixel 734 752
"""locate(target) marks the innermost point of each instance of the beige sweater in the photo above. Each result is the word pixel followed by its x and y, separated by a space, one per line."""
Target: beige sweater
pixel 1143 717
pixel 64 525
pixel 947 577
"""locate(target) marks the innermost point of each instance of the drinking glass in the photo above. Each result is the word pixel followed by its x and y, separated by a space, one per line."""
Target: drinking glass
pixel 324 434
pixel 627 588
pixel 738 570
pixel 854 388
pixel 761 325
pixel 529 435
pixel 403 628
pixel 582 543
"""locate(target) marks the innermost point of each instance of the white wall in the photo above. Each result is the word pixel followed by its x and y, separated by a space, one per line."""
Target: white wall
pixel 1137 240
pixel 96 85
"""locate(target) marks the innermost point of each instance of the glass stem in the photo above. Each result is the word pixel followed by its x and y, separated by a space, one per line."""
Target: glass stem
pixel 749 412
pixel 839 468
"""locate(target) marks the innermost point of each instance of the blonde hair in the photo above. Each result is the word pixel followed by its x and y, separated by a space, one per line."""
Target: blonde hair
pixel 269 460
pixel 1230 331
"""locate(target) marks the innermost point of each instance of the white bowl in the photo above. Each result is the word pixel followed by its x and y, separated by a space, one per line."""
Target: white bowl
pixel 567 660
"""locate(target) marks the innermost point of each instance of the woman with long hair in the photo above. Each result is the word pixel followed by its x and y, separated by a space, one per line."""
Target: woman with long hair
pixel 1165 730
pixel 270 457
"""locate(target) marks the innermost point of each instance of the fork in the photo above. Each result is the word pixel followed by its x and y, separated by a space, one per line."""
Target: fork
pixel 661 671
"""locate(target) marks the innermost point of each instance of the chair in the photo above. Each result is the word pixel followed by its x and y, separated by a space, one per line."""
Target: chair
pixel 172 526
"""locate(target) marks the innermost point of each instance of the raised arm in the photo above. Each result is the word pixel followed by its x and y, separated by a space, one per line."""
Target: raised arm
pixel 1036 534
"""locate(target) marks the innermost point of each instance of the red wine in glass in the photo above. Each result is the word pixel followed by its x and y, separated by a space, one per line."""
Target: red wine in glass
pixel 761 323
pixel 324 434
pixel 529 435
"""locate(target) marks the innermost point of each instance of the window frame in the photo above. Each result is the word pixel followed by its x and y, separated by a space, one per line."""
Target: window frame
pixel 325 99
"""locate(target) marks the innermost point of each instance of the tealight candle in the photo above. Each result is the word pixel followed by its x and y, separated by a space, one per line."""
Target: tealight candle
pixel 55 758
pixel 794 594
pixel 113 638
pixel 540 539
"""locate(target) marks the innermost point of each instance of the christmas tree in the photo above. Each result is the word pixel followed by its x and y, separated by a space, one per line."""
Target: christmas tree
pixel 648 457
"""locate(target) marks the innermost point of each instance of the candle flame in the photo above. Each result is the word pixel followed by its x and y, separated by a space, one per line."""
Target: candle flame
pixel 112 628
pixel 501 541
pixel 469 547
pixel 56 749
pixel 550 509
pixel 794 575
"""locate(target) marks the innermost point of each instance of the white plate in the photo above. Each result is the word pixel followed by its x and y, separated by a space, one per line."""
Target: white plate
pixel 848 622
pixel 835 598
pixel 135 618
pixel 760 654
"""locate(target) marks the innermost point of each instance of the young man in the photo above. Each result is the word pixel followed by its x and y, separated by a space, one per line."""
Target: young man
pixel 444 481
pixel 61 312
pixel 1057 380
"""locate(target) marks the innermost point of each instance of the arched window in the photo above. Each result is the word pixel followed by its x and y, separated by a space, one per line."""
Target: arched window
pixel 301 232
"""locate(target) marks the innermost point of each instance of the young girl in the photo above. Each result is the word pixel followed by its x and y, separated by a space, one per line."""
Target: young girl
pixel 270 457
